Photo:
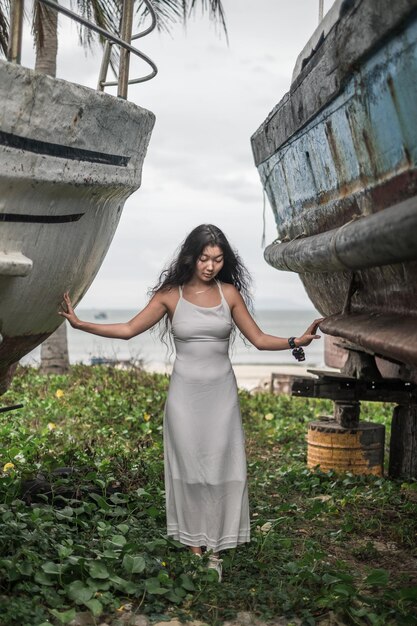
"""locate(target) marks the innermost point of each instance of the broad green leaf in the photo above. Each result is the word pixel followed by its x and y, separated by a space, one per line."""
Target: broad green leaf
pixel 153 586
pixel 377 577
pixel 163 577
pixel 79 592
pixel 117 580
pixel 128 586
pixel 74 559
pixel 329 579
pixel 118 540
pixel 51 568
pixel 408 593
pixel 180 591
pixel 152 511
pixel 133 564
pixel 43 579
pixel 25 568
pixel 119 498
pixel 292 567
pixel 98 570
pixel 111 554
pixel 173 596
pixel 344 589
pixel 65 617
pixel 100 501
pixel 98 585
pixel 124 528
pixel 65 513
pixel 64 551
pixel 187 583
pixel 95 606
pixel 347 578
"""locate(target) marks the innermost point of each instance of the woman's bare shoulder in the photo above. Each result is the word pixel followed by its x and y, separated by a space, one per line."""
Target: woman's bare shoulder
pixel 167 294
pixel 229 289
pixel 231 294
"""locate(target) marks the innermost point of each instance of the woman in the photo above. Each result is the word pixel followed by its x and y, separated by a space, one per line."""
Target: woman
pixel 201 296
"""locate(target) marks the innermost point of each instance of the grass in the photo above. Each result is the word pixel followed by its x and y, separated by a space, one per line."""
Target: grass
pixel 95 539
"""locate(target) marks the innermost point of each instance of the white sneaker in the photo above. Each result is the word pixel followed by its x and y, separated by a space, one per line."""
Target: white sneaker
pixel 215 563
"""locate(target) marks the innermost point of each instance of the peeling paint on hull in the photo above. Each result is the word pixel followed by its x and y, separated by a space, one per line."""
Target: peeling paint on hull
pixel 349 154
pixel 69 159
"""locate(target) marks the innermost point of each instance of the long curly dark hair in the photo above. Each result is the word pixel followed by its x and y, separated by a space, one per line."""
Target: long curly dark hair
pixel 181 269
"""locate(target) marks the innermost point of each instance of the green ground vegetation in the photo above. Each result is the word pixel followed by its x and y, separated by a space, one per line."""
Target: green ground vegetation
pixel 94 538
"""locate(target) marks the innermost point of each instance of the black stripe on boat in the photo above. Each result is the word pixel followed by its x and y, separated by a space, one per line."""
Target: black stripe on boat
pixel 40 219
pixel 58 150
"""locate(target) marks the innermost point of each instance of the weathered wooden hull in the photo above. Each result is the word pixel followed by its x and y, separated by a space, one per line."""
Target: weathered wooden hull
pixel 69 159
pixel 341 147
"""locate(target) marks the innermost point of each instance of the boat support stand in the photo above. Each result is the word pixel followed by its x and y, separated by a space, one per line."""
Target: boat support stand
pixel 347 392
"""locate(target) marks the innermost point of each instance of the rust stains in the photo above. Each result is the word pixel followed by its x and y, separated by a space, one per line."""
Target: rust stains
pixel 388 335
pixel 359 450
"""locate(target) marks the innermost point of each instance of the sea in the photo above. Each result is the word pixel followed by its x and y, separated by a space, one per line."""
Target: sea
pixel 152 353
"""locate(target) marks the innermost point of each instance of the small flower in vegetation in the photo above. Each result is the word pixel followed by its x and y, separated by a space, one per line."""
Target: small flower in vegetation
pixel 8 466
pixel 59 393
pixel 163 564
pixel 146 417
pixel 51 426
pixel 269 416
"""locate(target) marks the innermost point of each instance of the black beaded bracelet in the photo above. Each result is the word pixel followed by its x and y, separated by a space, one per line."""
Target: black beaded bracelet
pixel 298 353
pixel 291 342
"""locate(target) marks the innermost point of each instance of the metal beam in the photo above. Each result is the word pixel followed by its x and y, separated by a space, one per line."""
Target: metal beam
pixel 383 238
pixel 126 35
pixel 344 389
pixel 112 38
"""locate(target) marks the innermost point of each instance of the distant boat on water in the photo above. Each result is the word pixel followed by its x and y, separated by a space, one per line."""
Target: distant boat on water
pixel 70 156
pixel 337 157
pixel 102 315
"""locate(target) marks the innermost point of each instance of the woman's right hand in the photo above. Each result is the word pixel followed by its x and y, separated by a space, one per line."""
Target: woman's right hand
pixel 310 334
pixel 67 311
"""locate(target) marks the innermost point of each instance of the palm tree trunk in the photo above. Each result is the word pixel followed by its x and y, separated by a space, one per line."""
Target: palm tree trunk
pixel 54 352
pixel 46 39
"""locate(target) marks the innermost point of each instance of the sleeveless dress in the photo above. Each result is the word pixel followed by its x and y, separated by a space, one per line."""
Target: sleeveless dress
pixel 205 463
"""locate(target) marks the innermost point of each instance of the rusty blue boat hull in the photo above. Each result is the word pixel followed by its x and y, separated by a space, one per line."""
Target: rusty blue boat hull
pixel 338 160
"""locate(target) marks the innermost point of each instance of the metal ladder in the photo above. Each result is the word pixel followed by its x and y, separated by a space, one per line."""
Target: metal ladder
pixel 124 42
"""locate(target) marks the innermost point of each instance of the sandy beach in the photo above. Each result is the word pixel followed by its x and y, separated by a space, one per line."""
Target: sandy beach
pixel 248 376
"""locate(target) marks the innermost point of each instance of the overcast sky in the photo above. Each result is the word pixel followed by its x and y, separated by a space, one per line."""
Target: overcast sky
pixel 208 99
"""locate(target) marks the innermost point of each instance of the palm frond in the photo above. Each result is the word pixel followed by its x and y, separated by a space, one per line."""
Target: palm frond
pixel 170 12
pixel 167 12
pixel 4 26
pixel 215 10
pixel 41 16
pixel 107 14
pixel 104 13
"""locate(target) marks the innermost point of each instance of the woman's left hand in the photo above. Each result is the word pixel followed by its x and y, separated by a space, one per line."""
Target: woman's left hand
pixel 310 334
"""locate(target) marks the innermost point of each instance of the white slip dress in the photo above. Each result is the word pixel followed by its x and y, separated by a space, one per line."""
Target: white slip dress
pixel 204 444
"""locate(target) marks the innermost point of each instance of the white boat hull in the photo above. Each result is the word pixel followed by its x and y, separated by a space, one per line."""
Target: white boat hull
pixel 69 159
